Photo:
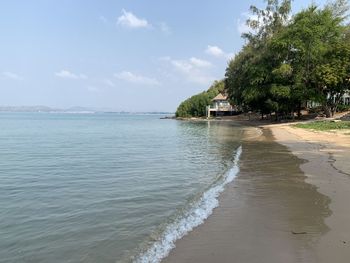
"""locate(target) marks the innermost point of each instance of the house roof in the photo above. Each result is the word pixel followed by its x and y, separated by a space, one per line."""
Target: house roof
pixel 220 97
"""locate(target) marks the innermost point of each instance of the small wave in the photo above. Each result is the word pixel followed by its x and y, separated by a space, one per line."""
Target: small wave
pixel 195 216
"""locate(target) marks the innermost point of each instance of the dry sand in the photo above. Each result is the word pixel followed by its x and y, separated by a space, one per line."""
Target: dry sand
pixel 290 203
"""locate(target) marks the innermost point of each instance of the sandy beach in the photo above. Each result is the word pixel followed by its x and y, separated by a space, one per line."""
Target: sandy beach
pixel 328 168
pixel 288 204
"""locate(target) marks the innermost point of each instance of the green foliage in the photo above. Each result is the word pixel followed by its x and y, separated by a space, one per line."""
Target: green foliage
pixel 324 125
pixel 195 106
pixel 343 107
pixel 287 62
pixel 267 21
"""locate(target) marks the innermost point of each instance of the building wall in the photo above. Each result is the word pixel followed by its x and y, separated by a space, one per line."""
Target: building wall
pixel 346 99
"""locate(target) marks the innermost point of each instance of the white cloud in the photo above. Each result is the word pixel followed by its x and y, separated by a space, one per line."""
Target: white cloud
pixel 242 26
pixel 108 82
pixel 200 63
pixel 128 19
pixel 182 65
pixel 165 28
pixel 218 52
pixel 66 74
pixel 193 69
pixel 10 75
pixel 136 79
pixel 230 55
pixel 214 51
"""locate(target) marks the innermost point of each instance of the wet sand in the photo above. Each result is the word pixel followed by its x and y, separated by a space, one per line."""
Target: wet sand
pixel 328 168
pixel 270 213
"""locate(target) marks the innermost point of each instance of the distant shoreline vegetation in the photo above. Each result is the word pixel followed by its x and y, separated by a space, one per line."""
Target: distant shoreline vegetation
pixel 195 106
pixel 287 63
pixel 46 109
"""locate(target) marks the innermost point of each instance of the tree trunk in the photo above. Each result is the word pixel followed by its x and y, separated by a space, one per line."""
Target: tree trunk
pixel 327 111
pixel 299 110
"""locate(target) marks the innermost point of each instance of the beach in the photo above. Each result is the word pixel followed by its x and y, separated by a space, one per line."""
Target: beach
pixel 288 203
pixel 327 167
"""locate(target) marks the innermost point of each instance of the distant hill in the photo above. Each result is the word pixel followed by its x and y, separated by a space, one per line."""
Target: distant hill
pixel 40 108
pixel 27 109
pixel 76 109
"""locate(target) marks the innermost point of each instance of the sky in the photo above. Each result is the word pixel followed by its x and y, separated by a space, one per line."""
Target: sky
pixel 118 55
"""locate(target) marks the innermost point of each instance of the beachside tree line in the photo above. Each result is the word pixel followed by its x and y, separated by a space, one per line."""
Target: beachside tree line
pixel 289 60
pixel 286 61
pixel 195 106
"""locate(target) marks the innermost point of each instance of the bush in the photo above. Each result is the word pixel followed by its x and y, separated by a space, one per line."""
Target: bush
pixel 325 125
pixel 343 107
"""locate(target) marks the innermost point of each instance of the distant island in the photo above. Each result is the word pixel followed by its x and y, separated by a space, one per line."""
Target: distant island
pixel 76 109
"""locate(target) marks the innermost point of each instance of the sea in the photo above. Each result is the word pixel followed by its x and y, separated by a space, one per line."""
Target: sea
pixel 108 187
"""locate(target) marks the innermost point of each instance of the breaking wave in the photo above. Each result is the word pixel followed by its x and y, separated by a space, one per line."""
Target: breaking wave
pixel 190 219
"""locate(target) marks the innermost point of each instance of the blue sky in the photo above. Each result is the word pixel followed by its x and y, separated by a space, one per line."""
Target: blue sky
pixel 121 55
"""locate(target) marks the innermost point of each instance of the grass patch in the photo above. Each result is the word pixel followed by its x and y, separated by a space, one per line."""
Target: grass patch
pixel 324 125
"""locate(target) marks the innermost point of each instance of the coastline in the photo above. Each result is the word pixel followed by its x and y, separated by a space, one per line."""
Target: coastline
pixel 295 211
pixel 328 168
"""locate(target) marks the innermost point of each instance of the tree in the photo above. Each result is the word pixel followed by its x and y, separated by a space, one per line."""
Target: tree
pixel 265 22
pixel 339 8
pixel 309 40
pixel 287 62
pixel 195 106
pixel 334 76
pixel 248 77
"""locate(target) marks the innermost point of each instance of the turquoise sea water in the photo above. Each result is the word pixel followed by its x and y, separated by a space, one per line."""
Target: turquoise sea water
pixel 107 187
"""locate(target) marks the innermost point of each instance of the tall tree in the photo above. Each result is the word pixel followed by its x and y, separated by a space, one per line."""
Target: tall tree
pixel 309 40
pixel 265 22
pixel 248 76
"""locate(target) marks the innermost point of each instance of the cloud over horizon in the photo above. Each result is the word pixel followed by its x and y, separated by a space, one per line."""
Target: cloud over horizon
pixel 194 70
pixel 136 79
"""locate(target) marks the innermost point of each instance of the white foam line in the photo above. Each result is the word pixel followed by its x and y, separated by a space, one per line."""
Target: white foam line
pixel 192 218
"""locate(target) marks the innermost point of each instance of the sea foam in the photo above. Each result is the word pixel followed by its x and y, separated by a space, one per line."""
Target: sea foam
pixel 192 218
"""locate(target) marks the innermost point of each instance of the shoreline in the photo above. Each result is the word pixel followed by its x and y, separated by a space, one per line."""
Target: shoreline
pixel 311 225
pixel 328 168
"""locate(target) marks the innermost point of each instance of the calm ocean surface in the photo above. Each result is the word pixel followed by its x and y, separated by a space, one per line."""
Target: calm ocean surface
pixel 107 187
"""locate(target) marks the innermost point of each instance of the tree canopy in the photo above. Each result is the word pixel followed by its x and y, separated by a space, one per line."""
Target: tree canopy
pixel 195 106
pixel 287 61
